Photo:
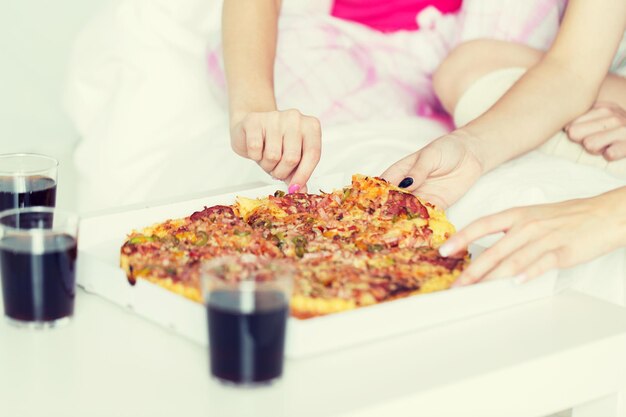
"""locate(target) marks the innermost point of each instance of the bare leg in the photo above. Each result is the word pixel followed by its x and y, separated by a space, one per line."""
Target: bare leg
pixel 471 60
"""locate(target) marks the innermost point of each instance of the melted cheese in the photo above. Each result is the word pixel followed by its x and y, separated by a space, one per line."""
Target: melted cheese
pixel 442 230
pixel 246 206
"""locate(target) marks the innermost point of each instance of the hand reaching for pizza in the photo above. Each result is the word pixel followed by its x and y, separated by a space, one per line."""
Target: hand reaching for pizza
pixel 441 172
pixel 540 238
pixel 286 144
pixel 601 131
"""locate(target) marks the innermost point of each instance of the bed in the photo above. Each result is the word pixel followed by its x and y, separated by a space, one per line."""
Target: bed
pixel 145 93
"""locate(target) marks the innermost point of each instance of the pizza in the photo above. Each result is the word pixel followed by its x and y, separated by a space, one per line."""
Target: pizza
pixel 367 243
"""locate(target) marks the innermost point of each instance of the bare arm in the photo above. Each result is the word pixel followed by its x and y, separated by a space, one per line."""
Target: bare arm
pixel 285 144
pixel 563 85
pixel 249 32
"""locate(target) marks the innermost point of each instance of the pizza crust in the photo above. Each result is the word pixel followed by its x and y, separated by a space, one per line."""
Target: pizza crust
pixel 191 293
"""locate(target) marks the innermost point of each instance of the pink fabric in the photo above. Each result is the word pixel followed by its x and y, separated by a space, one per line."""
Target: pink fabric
pixel 342 72
pixel 389 15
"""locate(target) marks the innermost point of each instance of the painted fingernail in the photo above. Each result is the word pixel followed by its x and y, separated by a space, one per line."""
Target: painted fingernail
pixel 447 249
pixel 520 279
pixel 407 182
pixel 294 188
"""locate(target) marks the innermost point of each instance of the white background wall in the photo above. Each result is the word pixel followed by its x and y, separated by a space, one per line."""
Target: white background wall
pixel 35 42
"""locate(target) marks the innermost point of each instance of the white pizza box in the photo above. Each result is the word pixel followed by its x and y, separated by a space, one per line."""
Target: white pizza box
pixel 98 272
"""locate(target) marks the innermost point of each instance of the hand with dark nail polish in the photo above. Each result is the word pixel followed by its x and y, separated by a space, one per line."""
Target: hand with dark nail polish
pixel 407 182
pixel 442 171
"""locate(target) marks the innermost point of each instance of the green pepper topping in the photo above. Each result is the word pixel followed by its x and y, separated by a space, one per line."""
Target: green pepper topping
pixel 300 245
pixel 278 239
pixel 346 194
pixel 280 235
pixel 279 193
pixel 141 239
pixel 201 238
pixel 263 223
pixel 137 239
pixel 238 232
pixel 299 240
pixel 375 247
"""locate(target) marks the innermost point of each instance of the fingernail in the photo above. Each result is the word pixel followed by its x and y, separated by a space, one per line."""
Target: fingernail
pixel 294 188
pixel 520 279
pixel 447 249
pixel 407 182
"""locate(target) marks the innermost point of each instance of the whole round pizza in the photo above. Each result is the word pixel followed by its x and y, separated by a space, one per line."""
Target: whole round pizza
pixel 364 244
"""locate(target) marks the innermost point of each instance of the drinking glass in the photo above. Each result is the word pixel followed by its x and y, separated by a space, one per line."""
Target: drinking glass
pixel 247 301
pixel 27 180
pixel 38 250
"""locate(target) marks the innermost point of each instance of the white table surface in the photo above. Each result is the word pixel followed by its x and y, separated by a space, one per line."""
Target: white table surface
pixel 529 360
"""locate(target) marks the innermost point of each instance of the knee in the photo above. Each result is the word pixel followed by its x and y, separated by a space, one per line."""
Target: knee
pixel 453 76
pixel 471 60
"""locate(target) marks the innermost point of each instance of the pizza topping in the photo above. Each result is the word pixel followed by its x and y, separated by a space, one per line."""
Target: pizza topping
pixel 297 202
pixel 399 203
pixel 257 221
pixel 201 238
pixel 346 194
pixel 300 244
pixel 141 239
pixel 214 213
pixel 170 240
pixel 448 263
pixel 376 247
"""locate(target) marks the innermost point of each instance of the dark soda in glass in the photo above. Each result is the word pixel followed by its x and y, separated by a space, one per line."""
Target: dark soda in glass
pixel 247 343
pixel 38 277
pixel 27 191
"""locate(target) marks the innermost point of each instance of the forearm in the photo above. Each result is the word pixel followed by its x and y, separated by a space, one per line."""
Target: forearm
pixel 547 98
pixel 563 85
pixel 249 33
pixel 611 206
